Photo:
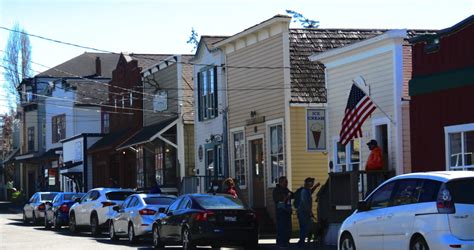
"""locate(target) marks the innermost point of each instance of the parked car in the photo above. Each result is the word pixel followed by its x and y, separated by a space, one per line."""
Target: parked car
pixel 34 208
pixel 433 210
pixel 135 217
pixel 57 211
pixel 94 210
pixel 206 219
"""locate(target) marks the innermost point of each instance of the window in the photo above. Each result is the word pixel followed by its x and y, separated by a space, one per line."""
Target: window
pixel 207 93
pixel 381 197
pixel 459 147
pixel 459 190
pixel 239 158
pixel 105 123
pixel 210 162
pixel 31 139
pixel 175 204
pixel 347 158
pixel 277 162
pixel 58 128
pixel 429 192
pixel 407 192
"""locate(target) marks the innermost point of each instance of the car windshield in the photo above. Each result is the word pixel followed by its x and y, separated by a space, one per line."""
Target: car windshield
pixel 48 197
pixel 159 200
pixel 219 202
pixel 68 197
pixel 459 190
pixel 118 196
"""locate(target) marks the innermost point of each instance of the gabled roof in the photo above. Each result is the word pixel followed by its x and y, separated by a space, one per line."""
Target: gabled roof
pixel 209 41
pixel 84 66
pixel 444 32
pixel 307 78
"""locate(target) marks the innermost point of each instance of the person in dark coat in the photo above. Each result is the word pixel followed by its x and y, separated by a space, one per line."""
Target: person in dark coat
pixel 282 197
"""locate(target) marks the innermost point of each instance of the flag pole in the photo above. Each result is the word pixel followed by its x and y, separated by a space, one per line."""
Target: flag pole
pixel 358 81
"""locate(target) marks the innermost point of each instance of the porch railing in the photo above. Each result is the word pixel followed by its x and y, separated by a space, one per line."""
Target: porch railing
pixel 199 184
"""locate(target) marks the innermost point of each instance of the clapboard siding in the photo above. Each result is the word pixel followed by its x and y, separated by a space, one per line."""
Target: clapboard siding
pixel 378 73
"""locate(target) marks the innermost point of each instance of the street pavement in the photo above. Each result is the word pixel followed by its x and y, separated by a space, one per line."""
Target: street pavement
pixel 15 235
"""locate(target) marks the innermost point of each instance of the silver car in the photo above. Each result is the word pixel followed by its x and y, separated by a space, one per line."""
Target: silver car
pixel 35 207
pixel 135 217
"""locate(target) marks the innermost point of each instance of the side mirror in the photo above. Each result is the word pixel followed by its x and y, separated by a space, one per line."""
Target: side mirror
pixel 161 210
pixel 169 213
pixel 362 206
pixel 78 200
pixel 116 208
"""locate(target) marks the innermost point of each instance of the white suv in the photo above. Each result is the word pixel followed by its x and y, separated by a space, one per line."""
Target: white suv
pixel 432 210
pixel 95 208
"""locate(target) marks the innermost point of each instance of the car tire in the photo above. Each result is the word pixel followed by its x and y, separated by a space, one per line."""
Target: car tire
pixel 187 241
pixel 25 219
pixel 419 243
pixel 132 239
pixel 112 234
pixel 157 243
pixel 347 242
pixel 95 230
pixel 56 223
pixel 46 223
pixel 72 223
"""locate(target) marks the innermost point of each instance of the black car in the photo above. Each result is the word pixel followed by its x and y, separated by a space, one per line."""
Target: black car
pixel 57 211
pixel 206 219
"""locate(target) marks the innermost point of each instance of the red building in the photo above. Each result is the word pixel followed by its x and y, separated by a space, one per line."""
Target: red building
pixel 442 99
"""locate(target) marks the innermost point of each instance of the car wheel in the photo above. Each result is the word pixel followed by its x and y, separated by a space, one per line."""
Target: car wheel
pixel 419 243
pixel 72 223
pixel 188 244
pixel 347 242
pixel 112 234
pixel 46 224
pixel 56 223
pixel 94 225
pixel 156 239
pixel 25 220
pixel 131 234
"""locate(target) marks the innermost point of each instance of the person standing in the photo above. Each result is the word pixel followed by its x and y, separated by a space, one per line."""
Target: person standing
pixel 374 164
pixel 230 187
pixel 282 199
pixel 305 208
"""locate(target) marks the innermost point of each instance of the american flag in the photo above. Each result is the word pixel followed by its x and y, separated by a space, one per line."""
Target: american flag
pixel 358 109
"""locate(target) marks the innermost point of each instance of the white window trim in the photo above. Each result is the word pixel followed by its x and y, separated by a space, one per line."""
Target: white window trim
pixel 232 156
pixel 269 124
pixel 335 140
pixel 456 129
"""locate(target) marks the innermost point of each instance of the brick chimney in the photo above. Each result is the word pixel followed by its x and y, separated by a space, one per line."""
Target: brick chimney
pixel 98 67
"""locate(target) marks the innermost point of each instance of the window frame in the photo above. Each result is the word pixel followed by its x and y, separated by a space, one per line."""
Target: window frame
pixel 105 123
pixel 348 163
pixel 207 93
pixel 31 138
pixel 370 198
pixel 275 123
pixel 57 136
pixel 462 129
pixel 242 159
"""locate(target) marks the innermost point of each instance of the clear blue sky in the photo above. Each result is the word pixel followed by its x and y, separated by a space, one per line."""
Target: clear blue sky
pixel 159 26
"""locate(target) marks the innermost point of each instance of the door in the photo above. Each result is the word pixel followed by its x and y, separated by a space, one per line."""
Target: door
pixel 381 135
pixel 120 222
pixel 257 173
pixel 31 183
pixel 370 223
pixel 166 227
pixel 400 216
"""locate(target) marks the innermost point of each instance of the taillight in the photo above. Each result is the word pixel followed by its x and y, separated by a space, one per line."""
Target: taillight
pixel 64 208
pixel 204 216
pixel 445 203
pixel 147 211
pixel 107 203
pixel 41 207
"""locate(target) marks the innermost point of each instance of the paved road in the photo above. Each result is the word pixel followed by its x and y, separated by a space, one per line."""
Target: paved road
pixel 15 235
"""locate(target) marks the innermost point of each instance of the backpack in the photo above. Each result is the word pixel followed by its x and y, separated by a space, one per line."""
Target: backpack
pixel 297 196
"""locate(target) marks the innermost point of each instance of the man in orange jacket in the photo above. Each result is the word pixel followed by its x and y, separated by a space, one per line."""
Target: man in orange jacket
pixel 374 163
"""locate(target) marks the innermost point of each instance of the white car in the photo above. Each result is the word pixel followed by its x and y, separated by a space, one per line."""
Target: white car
pixel 95 208
pixel 35 207
pixel 135 217
pixel 433 210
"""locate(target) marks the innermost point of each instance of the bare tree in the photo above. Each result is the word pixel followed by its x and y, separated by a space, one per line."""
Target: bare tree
pixel 305 22
pixel 16 60
pixel 193 39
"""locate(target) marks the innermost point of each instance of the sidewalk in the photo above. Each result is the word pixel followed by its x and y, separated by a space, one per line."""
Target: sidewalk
pixel 271 244
pixel 9 207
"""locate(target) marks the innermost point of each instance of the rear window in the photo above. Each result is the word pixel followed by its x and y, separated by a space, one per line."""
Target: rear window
pixel 118 196
pixel 68 197
pixel 461 190
pixel 219 202
pixel 47 197
pixel 159 200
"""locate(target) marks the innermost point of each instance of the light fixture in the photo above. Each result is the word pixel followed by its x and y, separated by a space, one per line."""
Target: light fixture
pixel 123 152
pixel 167 150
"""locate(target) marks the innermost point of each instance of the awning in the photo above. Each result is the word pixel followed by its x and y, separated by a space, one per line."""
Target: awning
pixel 11 156
pixel 108 141
pixel 150 133
pixel 28 156
pixel 71 167
pixel 35 156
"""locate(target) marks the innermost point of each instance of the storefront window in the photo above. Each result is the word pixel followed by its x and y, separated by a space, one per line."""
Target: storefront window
pixel 460 147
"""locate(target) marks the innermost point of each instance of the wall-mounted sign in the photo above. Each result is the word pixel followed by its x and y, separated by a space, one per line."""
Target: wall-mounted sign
pixel 316 129
pixel 160 101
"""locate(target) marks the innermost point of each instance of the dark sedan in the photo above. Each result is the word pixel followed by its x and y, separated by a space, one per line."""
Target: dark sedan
pixel 206 219
pixel 57 211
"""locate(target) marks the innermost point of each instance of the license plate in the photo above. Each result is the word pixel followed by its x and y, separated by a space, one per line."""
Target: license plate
pixel 230 218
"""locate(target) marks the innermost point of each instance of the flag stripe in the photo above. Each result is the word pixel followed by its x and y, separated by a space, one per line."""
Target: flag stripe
pixel 354 113
pixel 354 124
pixel 354 135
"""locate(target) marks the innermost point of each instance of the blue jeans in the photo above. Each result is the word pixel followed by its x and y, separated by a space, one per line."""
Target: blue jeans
pixel 304 221
pixel 283 219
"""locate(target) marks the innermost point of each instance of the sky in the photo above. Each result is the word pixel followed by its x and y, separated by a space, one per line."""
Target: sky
pixel 163 26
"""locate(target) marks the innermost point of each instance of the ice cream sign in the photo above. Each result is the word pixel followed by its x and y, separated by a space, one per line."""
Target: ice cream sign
pixel 315 129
